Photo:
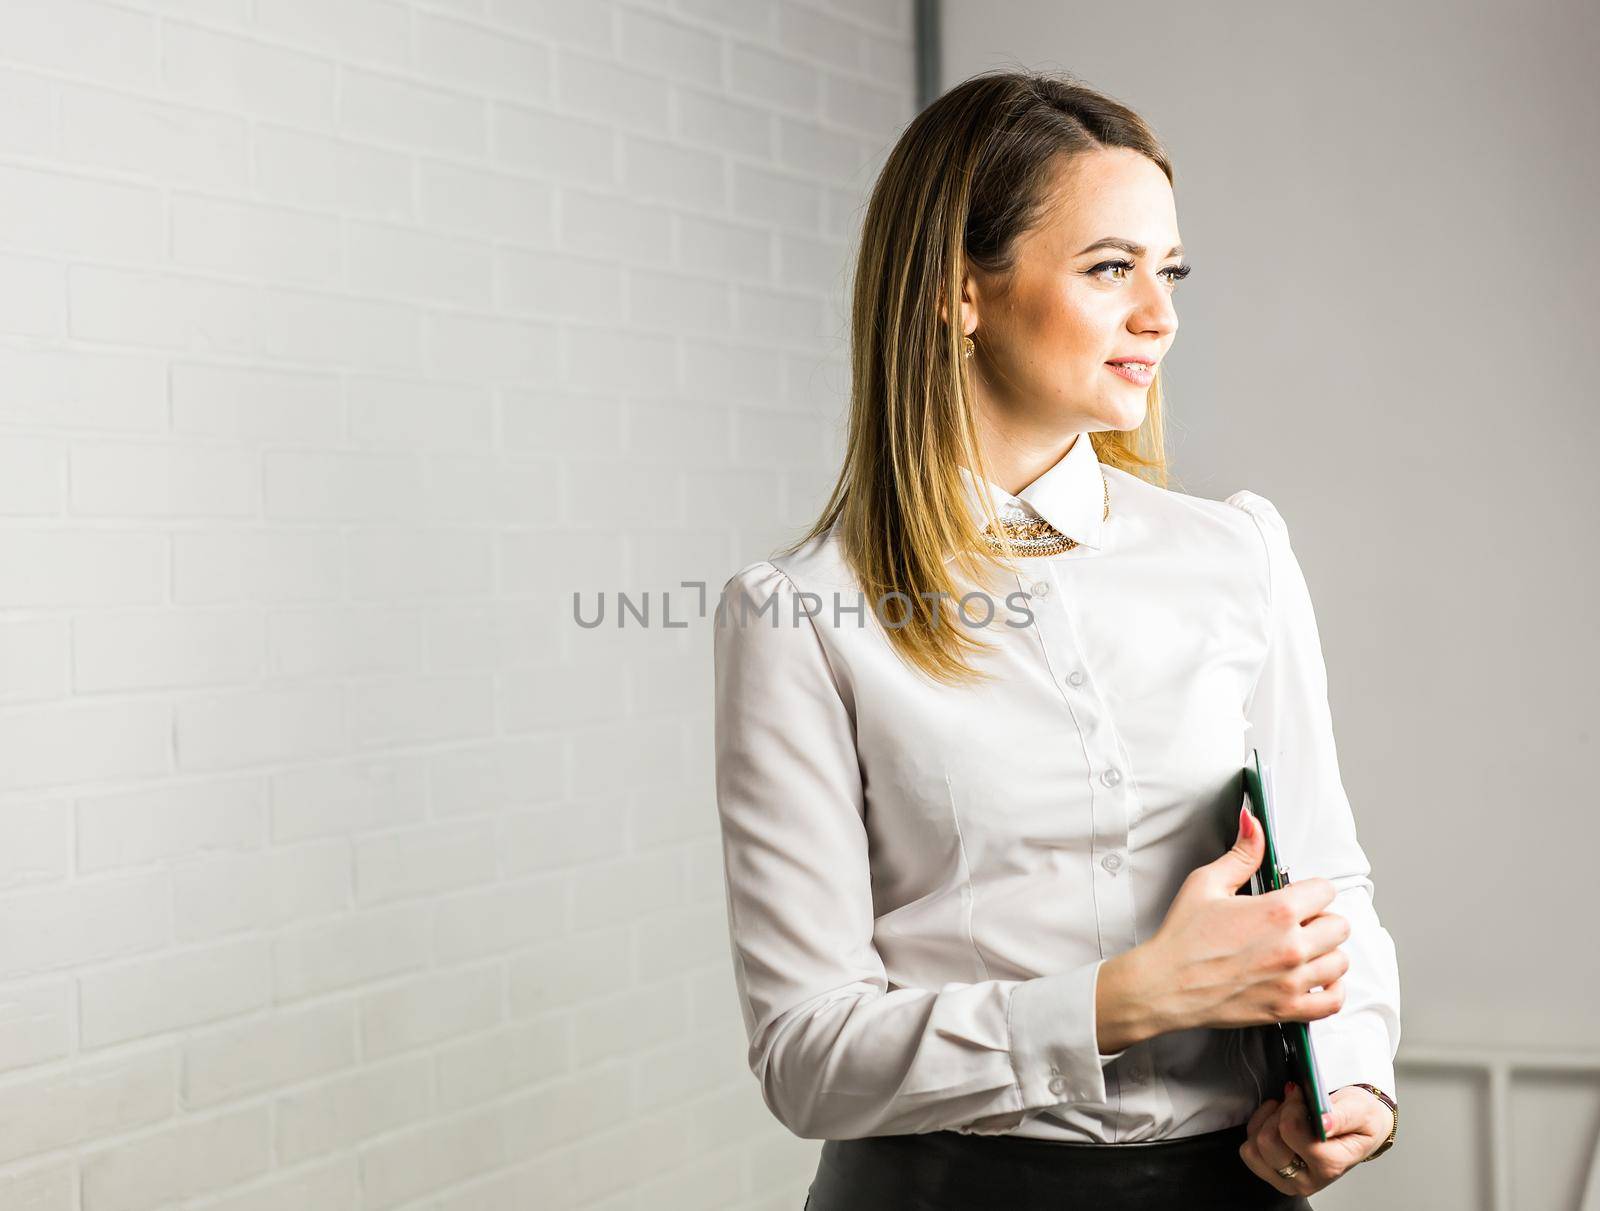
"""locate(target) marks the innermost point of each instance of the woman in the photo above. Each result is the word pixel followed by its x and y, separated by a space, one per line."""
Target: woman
pixel 980 733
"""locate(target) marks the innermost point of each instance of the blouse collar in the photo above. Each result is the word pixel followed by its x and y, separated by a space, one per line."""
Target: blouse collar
pixel 1070 495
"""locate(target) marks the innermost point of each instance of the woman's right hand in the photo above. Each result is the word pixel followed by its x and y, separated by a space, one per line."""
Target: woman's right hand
pixel 1226 960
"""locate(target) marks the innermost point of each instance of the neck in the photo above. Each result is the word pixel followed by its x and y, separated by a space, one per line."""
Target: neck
pixel 1013 466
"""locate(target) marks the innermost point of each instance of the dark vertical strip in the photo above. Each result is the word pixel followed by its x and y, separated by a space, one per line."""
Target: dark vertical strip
pixel 928 53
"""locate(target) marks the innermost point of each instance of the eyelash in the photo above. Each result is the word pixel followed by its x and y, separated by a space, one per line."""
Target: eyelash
pixel 1175 273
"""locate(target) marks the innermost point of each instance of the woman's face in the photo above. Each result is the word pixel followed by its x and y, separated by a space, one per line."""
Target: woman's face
pixel 1047 332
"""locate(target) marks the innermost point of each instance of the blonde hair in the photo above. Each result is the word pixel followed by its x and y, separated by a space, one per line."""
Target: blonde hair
pixel 970 174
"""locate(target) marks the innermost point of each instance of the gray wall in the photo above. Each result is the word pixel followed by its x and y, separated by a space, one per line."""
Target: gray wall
pixel 1390 210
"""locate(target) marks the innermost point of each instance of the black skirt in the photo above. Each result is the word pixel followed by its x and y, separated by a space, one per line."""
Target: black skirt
pixel 950 1171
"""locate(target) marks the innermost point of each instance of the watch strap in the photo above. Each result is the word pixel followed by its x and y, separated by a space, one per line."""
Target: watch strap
pixel 1393 1109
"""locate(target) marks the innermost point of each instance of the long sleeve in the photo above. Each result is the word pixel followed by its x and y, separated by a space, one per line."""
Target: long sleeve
pixel 1292 727
pixel 837 1052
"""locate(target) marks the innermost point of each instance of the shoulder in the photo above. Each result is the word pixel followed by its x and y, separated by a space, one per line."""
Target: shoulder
pixel 1269 532
pixel 1139 497
pixel 768 631
pixel 818 567
pixel 1240 542
pixel 1271 529
pixel 791 591
pixel 756 618
pixel 1276 553
pixel 1164 517
pixel 758 580
pixel 1259 507
pixel 1174 503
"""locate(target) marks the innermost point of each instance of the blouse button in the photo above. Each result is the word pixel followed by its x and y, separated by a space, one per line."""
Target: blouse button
pixel 1075 677
pixel 1111 777
pixel 1112 862
pixel 1058 1085
pixel 1039 588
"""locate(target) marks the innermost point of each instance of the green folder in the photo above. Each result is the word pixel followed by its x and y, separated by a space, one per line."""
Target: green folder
pixel 1287 1045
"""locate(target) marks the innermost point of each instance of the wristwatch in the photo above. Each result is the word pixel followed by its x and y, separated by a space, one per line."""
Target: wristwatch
pixel 1393 1109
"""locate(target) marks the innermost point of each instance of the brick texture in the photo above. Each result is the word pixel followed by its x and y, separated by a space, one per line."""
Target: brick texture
pixel 340 343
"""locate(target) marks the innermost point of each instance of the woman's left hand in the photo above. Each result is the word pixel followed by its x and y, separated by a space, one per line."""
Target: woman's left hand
pixel 1278 1132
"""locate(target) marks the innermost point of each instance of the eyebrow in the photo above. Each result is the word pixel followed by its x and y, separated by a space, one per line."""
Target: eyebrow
pixel 1127 246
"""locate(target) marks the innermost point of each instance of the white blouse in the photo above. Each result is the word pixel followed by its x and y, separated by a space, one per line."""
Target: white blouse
pixel 922 882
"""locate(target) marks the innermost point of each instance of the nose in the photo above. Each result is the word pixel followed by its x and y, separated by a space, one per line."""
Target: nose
pixel 1155 313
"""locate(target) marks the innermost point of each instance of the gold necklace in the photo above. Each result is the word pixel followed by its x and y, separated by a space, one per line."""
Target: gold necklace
pixel 1034 536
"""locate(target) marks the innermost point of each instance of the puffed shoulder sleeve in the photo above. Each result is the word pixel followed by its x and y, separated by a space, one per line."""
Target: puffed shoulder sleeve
pixel 838 1053
pixel 1291 725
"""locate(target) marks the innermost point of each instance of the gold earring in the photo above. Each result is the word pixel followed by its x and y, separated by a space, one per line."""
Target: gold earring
pixel 968 347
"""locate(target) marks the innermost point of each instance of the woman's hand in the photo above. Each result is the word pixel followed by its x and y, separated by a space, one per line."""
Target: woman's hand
pixel 1225 960
pixel 1277 1132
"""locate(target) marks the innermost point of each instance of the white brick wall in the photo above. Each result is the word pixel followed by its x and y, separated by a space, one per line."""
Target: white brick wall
pixel 339 343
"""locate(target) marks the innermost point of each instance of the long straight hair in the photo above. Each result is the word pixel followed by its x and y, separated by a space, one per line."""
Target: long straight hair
pixel 970 174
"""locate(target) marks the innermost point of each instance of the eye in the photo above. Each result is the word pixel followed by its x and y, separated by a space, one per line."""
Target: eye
pixel 1175 273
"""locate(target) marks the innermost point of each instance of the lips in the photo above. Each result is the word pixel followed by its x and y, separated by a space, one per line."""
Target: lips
pixel 1139 372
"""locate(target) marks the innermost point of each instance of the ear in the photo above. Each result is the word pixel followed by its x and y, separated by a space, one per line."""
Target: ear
pixel 969 307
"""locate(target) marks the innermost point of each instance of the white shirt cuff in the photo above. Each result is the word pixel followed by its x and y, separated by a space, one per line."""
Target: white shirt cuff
pixel 1351 1050
pixel 1055 1048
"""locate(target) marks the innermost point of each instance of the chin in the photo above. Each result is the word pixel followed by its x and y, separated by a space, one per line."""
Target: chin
pixel 1123 415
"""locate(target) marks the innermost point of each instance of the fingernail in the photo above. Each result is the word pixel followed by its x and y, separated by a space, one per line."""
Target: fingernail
pixel 1327 1122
